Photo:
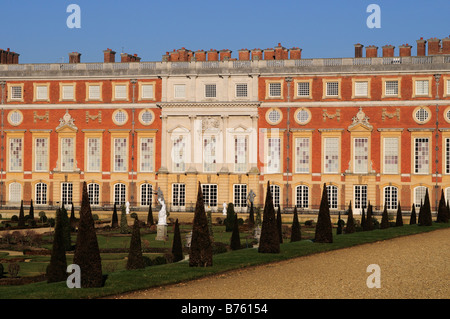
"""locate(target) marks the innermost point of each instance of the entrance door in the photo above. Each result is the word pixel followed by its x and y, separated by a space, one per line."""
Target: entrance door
pixel 359 198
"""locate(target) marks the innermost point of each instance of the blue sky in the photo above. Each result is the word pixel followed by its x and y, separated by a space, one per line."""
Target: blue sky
pixel 322 28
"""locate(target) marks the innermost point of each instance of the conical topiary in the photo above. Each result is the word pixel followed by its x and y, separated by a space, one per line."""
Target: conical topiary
pixel 442 210
pixel 229 220
pixel 210 226
pixel 66 228
pixel 251 217
pixel 150 221
pixel 280 225
pixel 21 222
pixel 350 228
pixel 56 270
pixel 123 221
pixel 177 247
pixel 235 242
pixel 413 218
pixel 87 253
pixel 135 258
pixel 73 219
pixel 324 228
pixel 339 225
pixel 369 217
pixel 296 234
pixel 114 218
pixel 384 219
pixel 31 213
pixel 426 214
pixel 269 241
pixel 363 219
pixel 200 254
pixel 399 219
pixel 420 218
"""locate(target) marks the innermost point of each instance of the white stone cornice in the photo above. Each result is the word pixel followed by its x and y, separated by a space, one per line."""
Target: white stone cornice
pixel 208 104
pixel 398 103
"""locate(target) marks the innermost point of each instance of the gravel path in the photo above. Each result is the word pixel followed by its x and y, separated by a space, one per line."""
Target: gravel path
pixel 411 267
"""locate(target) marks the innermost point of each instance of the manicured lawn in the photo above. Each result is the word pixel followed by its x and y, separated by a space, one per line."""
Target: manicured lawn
pixel 121 281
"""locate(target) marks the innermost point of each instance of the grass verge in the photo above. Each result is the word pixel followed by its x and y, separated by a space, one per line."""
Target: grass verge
pixel 125 281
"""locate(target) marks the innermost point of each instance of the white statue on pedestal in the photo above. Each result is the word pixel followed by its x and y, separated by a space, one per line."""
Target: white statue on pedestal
pixel 162 215
pixel 127 207
pixel 224 212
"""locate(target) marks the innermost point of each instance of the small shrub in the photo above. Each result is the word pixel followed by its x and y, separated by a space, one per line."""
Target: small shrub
pixel 51 222
pixel 219 248
pixel 13 269
pixel 219 221
pixel 309 223
pixel 160 260
pixel 14 218
pixel 95 217
pixel 134 215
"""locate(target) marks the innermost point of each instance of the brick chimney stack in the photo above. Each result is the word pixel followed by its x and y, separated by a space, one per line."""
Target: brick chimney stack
pixel 200 55
pixel 74 57
pixel 256 54
pixel 371 51
pixel 388 50
pixel 295 53
pixel 359 50
pixel 405 50
pixel 281 53
pixel 269 54
pixel 446 45
pixel 109 56
pixel 434 46
pixel 213 55
pixel 421 47
pixel 225 55
pixel 244 54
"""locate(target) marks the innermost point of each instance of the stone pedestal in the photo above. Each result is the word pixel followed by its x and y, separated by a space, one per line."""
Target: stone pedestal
pixel 161 232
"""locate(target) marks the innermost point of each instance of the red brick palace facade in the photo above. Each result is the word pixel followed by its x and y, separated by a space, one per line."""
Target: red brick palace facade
pixel 371 128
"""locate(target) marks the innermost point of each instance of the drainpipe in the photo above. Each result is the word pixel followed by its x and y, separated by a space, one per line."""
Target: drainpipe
pixel 2 83
pixel 133 82
pixel 437 77
pixel 288 81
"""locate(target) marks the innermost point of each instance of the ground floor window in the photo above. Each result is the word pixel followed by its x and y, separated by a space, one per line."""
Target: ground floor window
pixel 275 190
pixel 209 195
pixel 41 194
pixel 178 195
pixel 15 192
pixel 66 193
pixel 146 194
pixel 419 195
pixel 93 193
pixel 302 196
pixel 332 193
pixel 391 197
pixel 119 194
pixel 360 197
pixel 240 195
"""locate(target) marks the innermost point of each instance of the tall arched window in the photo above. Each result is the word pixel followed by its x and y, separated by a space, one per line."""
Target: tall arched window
pixel 15 193
pixel 41 194
pixel 275 190
pixel 119 194
pixel 391 197
pixel 146 194
pixel 332 193
pixel 94 193
pixel 302 196
pixel 419 195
